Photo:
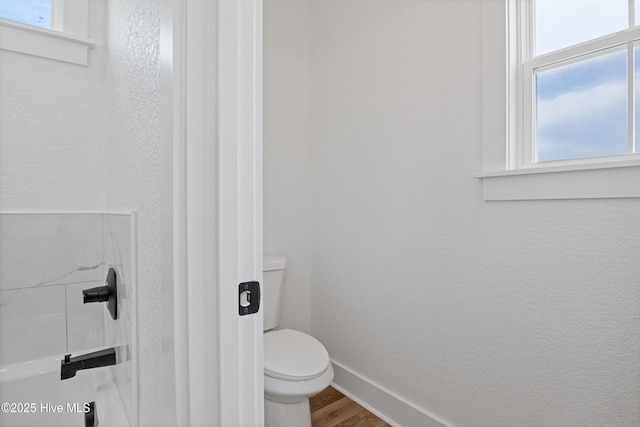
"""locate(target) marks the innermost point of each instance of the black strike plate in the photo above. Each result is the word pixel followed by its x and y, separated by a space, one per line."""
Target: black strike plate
pixel 248 298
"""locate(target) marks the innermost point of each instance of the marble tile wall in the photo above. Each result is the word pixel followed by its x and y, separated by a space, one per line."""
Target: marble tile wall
pixel 119 246
pixel 46 260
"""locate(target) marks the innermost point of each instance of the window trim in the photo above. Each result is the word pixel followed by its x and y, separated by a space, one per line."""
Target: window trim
pixel 611 177
pixel 67 42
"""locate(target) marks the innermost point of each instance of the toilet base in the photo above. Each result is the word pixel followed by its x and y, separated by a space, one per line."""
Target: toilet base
pixel 277 414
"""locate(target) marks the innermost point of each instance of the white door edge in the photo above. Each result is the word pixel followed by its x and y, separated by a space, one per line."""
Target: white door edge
pixel 211 91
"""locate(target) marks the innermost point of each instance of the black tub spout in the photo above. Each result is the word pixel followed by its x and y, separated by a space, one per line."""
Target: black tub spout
pixel 70 365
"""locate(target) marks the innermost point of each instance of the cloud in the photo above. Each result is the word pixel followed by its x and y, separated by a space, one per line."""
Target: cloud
pixel 583 123
pixel 561 23
pixel 584 105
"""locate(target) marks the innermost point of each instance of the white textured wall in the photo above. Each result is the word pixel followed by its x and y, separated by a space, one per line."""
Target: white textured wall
pixel 484 314
pixel 52 127
pixel 287 138
pixel 78 138
pixel 132 153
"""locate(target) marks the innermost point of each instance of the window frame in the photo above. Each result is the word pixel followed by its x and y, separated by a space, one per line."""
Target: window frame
pixel 505 173
pixel 66 41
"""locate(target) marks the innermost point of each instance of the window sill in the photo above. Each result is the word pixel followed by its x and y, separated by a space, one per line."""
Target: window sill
pixel 593 181
pixel 45 43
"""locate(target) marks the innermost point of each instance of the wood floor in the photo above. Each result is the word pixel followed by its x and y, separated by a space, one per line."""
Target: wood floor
pixel 331 408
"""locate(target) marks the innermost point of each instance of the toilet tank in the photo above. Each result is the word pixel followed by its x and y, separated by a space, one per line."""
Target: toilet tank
pixel 272 287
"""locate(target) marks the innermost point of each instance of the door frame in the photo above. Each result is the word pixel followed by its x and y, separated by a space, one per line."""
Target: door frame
pixel 211 169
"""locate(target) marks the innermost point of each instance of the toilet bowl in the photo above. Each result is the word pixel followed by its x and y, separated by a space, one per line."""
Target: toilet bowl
pixel 296 365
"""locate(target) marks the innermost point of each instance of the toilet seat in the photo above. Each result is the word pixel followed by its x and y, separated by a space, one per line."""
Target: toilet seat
pixel 294 356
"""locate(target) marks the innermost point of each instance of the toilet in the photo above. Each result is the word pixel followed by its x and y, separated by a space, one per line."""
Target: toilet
pixel 296 365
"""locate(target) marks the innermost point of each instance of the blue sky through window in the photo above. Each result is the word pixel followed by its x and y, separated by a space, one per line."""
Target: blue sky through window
pixel 562 23
pixel 582 109
pixel 581 106
pixel 33 12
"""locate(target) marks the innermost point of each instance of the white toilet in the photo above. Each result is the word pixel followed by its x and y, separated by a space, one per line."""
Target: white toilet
pixel 296 365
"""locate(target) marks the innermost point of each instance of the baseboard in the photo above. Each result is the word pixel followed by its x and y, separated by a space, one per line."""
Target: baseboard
pixel 391 408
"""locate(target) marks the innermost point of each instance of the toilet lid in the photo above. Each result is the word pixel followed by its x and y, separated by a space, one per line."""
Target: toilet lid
pixel 293 355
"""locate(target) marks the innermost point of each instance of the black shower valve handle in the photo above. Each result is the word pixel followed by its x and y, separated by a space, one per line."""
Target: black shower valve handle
pixel 99 294
pixel 107 293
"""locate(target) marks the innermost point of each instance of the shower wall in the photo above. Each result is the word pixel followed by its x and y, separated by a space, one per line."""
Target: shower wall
pixel 85 139
pixel 52 127
pixel 46 260
pixel 119 246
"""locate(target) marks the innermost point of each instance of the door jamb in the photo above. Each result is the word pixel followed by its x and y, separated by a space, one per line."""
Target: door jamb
pixel 211 169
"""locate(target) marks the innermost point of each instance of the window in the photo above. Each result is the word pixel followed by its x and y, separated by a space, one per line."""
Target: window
pixel 54 29
pixel 34 12
pixel 578 72
pixel 561 115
